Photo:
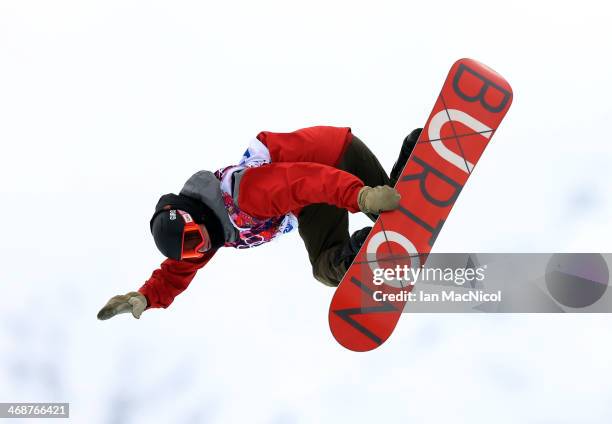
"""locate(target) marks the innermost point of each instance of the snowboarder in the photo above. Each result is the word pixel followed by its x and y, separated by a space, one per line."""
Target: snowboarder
pixel 309 179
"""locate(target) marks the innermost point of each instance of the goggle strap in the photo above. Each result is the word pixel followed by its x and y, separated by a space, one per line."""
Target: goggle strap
pixel 186 217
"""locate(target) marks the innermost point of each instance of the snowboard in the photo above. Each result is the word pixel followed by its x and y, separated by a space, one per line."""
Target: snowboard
pixel 368 303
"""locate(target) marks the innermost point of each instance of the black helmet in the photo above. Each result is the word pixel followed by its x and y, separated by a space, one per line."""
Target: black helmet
pixel 167 226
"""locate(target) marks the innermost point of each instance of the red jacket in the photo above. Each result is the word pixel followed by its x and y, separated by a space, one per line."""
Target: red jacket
pixel 302 172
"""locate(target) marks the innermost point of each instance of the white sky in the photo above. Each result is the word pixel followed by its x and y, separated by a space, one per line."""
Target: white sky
pixel 105 105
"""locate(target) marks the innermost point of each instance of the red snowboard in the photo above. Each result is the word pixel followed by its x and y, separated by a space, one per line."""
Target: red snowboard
pixel 470 107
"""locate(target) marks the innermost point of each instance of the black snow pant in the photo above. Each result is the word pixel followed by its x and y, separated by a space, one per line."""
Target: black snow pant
pixel 324 228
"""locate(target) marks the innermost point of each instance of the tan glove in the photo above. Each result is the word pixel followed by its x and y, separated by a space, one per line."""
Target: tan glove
pixel 133 302
pixel 378 199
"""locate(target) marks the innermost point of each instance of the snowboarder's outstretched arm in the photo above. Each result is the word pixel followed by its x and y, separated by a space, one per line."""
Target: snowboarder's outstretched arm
pixel 279 188
pixel 159 291
pixel 171 279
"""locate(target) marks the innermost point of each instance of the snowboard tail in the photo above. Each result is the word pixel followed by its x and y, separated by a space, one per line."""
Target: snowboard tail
pixel 366 307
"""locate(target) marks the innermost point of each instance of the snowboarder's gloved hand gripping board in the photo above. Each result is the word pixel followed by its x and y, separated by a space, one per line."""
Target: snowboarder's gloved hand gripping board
pixel 378 199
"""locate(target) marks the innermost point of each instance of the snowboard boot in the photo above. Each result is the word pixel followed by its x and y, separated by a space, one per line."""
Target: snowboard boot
pixel 346 254
pixel 407 148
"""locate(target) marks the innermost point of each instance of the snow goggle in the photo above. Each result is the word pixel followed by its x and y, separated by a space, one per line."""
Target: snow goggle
pixel 193 238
